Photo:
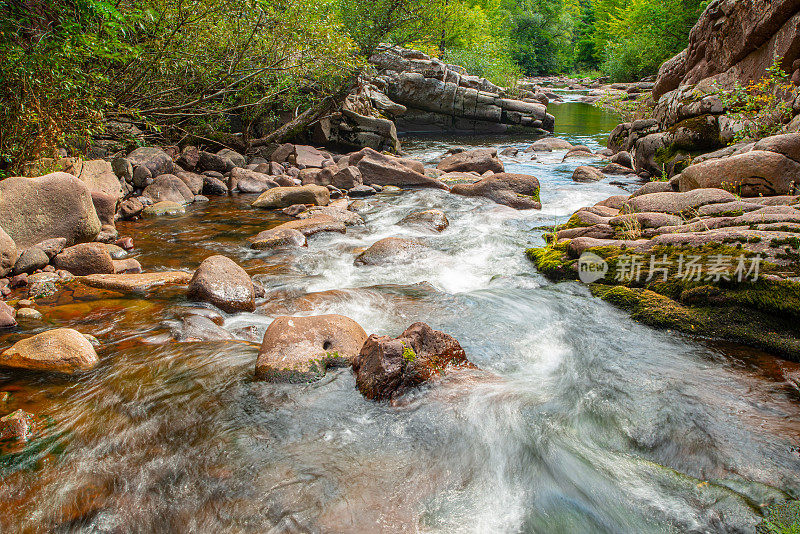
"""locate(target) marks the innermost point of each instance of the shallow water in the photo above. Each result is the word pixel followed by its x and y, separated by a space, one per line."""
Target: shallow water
pixel 585 422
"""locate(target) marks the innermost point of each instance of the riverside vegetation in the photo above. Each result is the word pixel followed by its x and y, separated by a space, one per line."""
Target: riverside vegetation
pixel 263 262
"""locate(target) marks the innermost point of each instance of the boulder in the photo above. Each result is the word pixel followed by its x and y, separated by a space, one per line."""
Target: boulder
pixel 616 168
pixel 279 238
pixel 85 258
pixel 62 350
pixel 676 203
pixel 30 260
pixel 391 250
pixel 221 282
pixel 127 266
pixel 786 144
pixel 168 188
pixel 8 253
pixel 307 227
pixel 17 426
pixel 208 161
pixel 105 206
pixel 193 181
pixel 344 215
pixel 587 174
pixel 347 178
pixel 136 283
pixel 282 197
pixel 387 368
pixel 234 157
pixel 432 220
pixel 97 174
pixel 130 208
pixel 308 156
pixel 189 157
pixel 213 186
pixel 150 162
pixel 548 144
pixel 56 205
pixel 246 181
pixel 162 208
pixel 751 174
pixel 380 169
pixel 519 191
pixel 481 160
pixel 7 316
pixel 301 348
pixel 200 328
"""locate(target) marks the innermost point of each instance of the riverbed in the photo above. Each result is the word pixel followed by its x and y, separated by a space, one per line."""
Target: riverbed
pixel 585 422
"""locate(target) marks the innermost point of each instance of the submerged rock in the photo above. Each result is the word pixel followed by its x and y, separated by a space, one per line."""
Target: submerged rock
pixel 279 238
pixel 386 368
pixel 391 250
pixel 17 426
pixel 62 350
pixel 221 282
pixel 301 348
pixel 432 220
pixel 163 208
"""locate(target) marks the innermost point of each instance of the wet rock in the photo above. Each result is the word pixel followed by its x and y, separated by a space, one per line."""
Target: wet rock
pixel 391 250
pixel 117 253
pixel 387 368
pixel 580 152
pixel 30 260
pixel 85 258
pixel 587 174
pixel 199 328
pixel 347 178
pixel 17 426
pixel 7 316
pixel 130 208
pixel 279 238
pixel 677 203
pixel 164 208
pixel 127 266
pixel 432 220
pixel 548 144
pixel 221 282
pixel 302 348
pixel 28 314
pixel 349 218
pixel 281 197
pixel 9 255
pixel 519 191
pixel 168 188
pixel 307 227
pixel 750 174
pixel 246 181
pixel 615 168
pixel 136 283
pixel 361 191
pixel 380 169
pixel 62 350
pixel 56 205
pixel 193 181
pixel 480 161
pixel 509 151
pixel 214 186
pixel 459 178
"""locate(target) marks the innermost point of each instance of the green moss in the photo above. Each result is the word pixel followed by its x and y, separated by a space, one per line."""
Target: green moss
pixel 793 242
pixel 781 518
pixel 534 196
pixel 408 353
pixel 553 261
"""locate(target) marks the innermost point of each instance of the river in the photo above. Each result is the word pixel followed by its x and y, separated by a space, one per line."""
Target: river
pixel 592 422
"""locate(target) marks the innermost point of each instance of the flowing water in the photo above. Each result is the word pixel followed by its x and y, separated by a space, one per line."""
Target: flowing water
pixel 585 422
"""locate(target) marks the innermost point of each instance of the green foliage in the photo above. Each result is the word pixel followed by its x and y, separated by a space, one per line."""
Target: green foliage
pixel 489 60
pixel 762 106
pixel 783 518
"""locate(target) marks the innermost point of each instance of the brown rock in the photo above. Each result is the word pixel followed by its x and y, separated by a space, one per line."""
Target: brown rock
pixel 380 169
pixel 130 208
pixel 390 250
pixel 386 368
pixel 519 191
pixel 281 197
pixel 62 350
pixel 587 174
pixel 307 227
pixel 302 348
pixel 246 181
pixel 8 253
pixel 193 181
pixel 17 426
pixel 85 258
pixel 433 220
pixel 750 174
pixel 221 282
pixel 168 188
pixel 480 161
pixel 136 283
pixel 279 238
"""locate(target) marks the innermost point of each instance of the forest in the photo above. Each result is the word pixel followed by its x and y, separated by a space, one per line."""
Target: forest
pixel 71 66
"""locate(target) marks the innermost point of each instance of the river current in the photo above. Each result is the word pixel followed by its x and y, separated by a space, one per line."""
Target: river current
pixel 588 421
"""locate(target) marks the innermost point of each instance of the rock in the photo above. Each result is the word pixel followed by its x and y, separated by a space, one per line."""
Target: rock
pixel 677 203
pixel 281 197
pixel 282 153
pixel 786 144
pixel 189 157
pixel 163 208
pixel 279 238
pixel 28 314
pixel 587 174
pixel 580 152
pixel 221 282
pixel 347 178
pixel 360 191
pixel 30 260
pixel 480 161
pixel 250 181
pixel 62 350
pixel 519 191
pixel 387 368
pixel 199 328
pixel 623 158
pixel 750 174
pixel 615 168
pixel 349 218
pixel 168 188
pixel 7 315
pixel 85 258
pixel 302 348
pixel 234 157
pixel 213 162
pixel 459 178
pixel 136 283
pixel 150 162
pixel 17 426
pixel 379 169
pixel 509 151
pixel 9 255
pixel 123 169
pixel 646 220
pixel 193 181
pixel 214 186
pixel 130 208
pixel 548 144
pixel 98 175
pixel 653 187
pixel 56 205
pixel 391 250
pixel 125 243
pixel 127 266
pixel 432 220
pixel 105 206
pixel 307 227
pixel 308 156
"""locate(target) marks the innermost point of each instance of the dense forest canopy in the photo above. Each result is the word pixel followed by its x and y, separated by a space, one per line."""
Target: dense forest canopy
pixel 68 66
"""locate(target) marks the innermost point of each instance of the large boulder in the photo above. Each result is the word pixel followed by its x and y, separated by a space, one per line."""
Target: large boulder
pixel 56 205
pixel 193 181
pixel 97 174
pixel 283 235
pixel 519 191
pixel 221 282
pixel 347 178
pixel 308 156
pixel 380 169
pixel 8 253
pixel 169 188
pixel 85 258
pixel 432 220
pixel 149 162
pixel 62 350
pixel 283 197
pixel 386 368
pixel 247 181
pixel 480 160
pixel 136 282
pixel 301 348
pixel 587 174
pixel 751 174
pixel 391 250
pixel 676 203
pixel 786 144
